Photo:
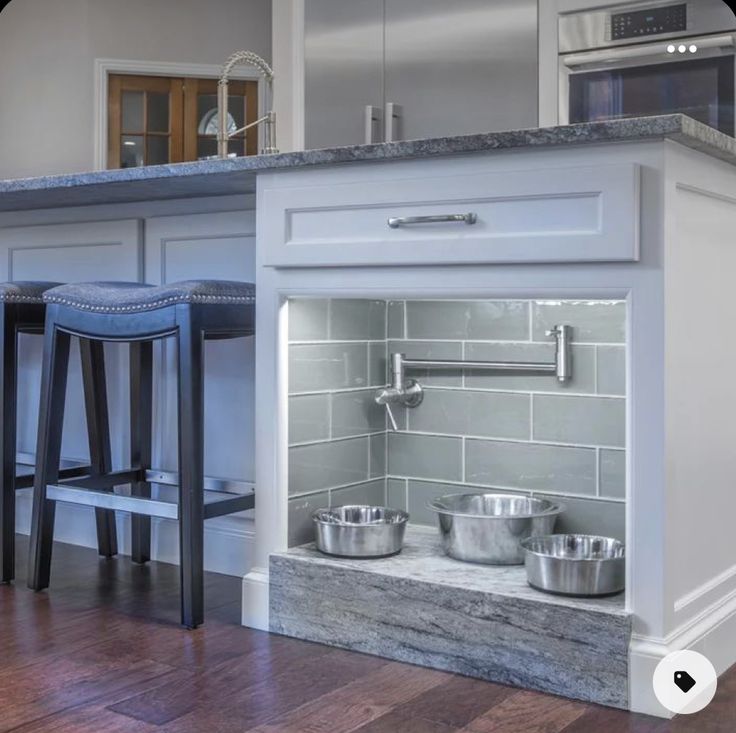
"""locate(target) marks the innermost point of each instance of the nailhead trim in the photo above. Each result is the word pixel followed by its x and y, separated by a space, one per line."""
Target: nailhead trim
pixel 7 297
pixel 212 299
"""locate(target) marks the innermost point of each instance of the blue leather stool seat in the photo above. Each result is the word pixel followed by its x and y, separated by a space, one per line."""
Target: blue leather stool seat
pixel 123 297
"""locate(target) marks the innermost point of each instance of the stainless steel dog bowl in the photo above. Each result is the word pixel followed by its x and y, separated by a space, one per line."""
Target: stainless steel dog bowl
pixel 487 528
pixel 360 531
pixel 575 564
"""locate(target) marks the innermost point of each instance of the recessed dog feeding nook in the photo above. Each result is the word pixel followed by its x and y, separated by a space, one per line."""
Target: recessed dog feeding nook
pixel 440 397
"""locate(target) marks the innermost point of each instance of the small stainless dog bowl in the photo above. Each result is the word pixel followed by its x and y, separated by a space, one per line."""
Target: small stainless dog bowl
pixel 487 528
pixel 360 531
pixel 575 564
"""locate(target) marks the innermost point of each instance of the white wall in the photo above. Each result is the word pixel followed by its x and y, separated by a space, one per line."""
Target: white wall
pixel 47 52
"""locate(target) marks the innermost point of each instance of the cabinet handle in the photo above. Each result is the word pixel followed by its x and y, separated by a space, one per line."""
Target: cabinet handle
pixel 372 119
pixel 392 119
pixel 399 221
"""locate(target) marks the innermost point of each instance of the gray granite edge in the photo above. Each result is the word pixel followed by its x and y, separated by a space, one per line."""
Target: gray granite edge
pixel 680 128
pixel 576 604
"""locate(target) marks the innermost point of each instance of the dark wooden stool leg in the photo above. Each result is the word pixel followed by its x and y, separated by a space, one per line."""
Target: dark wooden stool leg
pixel 141 419
pixel 191 467
pixel 48 452
pixel 98 431
pixel 8 363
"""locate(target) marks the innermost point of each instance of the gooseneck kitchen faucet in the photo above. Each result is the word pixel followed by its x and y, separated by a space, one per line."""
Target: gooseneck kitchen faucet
pixel 245 58
pixel 409 393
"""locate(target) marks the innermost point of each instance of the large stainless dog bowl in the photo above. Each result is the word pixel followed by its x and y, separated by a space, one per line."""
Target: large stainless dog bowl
pixel 487 528
pixel 360 531
pixel 575 564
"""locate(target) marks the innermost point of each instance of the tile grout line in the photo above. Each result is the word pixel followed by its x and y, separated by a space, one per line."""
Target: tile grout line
pixel 481 438
pixel 432 340
pixel 501 487
pixel 453 388
pixel 462 461
pixel 531 417
pixel 595 369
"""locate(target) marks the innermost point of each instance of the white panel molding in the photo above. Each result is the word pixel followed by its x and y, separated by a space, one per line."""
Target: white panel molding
pixel 136 210
pixel 229 541
pixel 255 603
pixel 709 595
pixel 103 67
pixel 711 633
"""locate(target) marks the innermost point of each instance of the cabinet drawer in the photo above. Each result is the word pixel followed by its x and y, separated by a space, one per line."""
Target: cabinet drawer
pixel 588 214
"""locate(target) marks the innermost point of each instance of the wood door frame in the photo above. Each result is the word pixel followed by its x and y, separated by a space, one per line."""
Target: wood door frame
pixel 103 67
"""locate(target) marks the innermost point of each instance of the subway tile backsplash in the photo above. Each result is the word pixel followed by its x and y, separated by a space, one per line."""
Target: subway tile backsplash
pixel 474 431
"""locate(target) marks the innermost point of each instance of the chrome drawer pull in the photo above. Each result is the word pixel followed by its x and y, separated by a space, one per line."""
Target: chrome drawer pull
pixel 399 221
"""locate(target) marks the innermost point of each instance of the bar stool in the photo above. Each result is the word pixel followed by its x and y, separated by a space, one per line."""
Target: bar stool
pixel 22 310
pixel 190 311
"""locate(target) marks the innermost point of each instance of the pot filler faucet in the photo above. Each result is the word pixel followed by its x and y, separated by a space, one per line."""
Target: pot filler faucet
pixel 245 58
pixel 409 393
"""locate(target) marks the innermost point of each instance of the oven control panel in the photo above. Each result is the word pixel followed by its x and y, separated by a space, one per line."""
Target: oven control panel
pixel 642 23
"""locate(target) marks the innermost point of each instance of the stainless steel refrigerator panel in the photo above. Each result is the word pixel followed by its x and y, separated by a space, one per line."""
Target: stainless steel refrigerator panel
pixel 343 71
pixel 460 67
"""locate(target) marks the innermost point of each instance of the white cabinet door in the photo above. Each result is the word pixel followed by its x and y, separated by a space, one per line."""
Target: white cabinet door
pixel 109 250
pixel 207 246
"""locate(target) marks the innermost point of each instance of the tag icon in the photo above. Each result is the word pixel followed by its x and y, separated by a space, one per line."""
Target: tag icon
pixel 684 681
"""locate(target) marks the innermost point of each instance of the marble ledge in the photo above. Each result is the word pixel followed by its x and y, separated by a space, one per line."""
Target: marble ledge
pixel 486 622
pixel 238 175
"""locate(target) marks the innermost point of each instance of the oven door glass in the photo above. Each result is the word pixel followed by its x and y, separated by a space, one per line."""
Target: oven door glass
pixel 700 88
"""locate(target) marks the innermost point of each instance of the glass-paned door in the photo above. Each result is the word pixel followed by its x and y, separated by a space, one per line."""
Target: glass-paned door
pixel 144 117
pixel 153 120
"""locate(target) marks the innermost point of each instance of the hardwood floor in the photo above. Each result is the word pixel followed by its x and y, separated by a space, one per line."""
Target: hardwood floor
pixel 102 651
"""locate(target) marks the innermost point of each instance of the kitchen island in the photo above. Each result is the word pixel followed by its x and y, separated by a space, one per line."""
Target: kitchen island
pixel 640 211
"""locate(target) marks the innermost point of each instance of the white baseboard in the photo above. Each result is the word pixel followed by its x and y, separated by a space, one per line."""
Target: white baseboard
pixel 228 541
pixel 255 599
pixel 711 633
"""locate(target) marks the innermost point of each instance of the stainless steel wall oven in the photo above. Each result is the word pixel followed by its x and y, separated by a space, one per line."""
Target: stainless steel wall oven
pixel 649 59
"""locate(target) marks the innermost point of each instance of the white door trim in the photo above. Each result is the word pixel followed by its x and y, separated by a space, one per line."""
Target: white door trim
pixel 103 67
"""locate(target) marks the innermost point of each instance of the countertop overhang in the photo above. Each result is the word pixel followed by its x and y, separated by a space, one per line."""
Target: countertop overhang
pixel 238 175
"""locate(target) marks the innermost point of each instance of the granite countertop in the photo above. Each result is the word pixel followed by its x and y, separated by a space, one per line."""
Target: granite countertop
pixel 423 559
pixel 237 176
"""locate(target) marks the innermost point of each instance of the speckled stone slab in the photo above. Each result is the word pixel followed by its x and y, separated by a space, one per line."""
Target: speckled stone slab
pixel 427 609
pixel 238 175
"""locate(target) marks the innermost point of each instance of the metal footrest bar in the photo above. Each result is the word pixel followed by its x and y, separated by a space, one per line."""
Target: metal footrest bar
pixel 26 481
pixel 216 503
pixel 171 478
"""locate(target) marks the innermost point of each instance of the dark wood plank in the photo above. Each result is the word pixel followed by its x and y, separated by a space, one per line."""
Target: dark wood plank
pixel 395 722
pixel 456 702
pixel 528 712
pixel 306 679
pixel 270 656
pixel 608 720
pixel 44 688
pixel 358 703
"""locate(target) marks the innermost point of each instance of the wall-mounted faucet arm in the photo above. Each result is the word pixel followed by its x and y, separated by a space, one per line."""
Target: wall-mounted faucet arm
pixel 409 393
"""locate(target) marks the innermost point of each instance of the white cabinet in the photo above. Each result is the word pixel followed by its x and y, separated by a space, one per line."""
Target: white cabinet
pixel 327 218
pixel 101 250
